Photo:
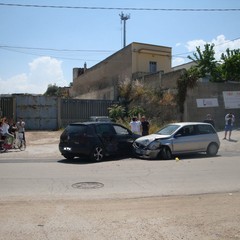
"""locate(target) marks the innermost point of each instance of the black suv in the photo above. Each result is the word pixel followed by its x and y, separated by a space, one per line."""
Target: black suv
pixel 95 140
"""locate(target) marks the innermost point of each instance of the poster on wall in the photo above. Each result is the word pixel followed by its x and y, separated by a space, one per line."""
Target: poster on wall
pixel 207 102
pixel 231 99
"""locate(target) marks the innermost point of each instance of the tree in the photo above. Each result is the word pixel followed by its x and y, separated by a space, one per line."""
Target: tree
pixel 136 110
pixel 52 91
pixel 186 81
pixel 116 112
pixel 206 62
pixel 230 66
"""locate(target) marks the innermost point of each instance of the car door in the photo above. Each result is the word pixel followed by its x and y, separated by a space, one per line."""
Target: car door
pixel 124 138
pixel 185 140
pixel 107 136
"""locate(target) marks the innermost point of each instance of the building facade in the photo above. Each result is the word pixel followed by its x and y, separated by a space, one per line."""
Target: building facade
pixel 132 62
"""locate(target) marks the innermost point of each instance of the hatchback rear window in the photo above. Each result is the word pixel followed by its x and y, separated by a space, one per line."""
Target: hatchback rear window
pixel 79 129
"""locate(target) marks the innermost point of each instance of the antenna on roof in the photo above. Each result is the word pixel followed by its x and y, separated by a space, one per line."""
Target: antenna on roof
pixel 124 18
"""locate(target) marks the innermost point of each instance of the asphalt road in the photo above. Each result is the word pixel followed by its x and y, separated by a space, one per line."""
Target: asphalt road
pixel 45 197
pixel 40 171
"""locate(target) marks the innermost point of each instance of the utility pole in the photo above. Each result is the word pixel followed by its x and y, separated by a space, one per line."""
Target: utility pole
pixel 124 18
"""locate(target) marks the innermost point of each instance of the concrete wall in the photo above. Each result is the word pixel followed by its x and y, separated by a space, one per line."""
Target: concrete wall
pixel 98 81
pixel 210 91
pixel 163 81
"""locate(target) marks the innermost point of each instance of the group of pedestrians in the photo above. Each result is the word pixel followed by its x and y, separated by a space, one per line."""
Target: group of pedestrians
pixel 8 129
pixel 140 127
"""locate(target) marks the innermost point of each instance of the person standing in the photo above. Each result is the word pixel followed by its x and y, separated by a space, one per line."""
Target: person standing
pixel 209 120
pixel 135 126
pixel 21 128
pixel 5 131
pixel 229 120
pixel 5 127
pixel 13 128
pixel 144 126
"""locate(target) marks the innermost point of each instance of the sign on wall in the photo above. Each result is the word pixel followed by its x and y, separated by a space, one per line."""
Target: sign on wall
pixel 207 102
pixel 231 99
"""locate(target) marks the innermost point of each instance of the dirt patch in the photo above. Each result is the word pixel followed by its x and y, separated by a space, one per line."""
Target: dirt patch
pixel 214 216
pixel 42 137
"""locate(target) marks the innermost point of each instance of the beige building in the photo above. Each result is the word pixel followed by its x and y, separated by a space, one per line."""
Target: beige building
pixel 132 62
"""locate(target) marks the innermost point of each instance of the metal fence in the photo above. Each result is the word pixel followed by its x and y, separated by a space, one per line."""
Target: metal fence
pixel 51 113
pixel 73 110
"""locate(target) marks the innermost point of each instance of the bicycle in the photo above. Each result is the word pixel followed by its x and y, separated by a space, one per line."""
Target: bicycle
pixel 13 143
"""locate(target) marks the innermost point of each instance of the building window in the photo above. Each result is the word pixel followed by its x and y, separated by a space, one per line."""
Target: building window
pixel 152 67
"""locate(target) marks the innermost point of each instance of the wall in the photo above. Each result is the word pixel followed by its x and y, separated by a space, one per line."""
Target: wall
pixel 103 76
pixel 142 54
pixel 164 81
pixel 39 112
pixel 210 90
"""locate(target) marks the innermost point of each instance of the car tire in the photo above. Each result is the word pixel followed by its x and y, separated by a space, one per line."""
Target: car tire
pixel 212 149
pixel 68 156
pixel 165 153
pixel 97 154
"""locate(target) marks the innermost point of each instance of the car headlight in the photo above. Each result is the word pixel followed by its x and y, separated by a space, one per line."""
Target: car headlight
pixel 154 145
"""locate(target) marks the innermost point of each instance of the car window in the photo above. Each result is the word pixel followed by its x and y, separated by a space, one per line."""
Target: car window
pixel 104 128
pixel 168 130
pixel 185 131
pixel 205 129
pixel 75 131
pixel 120 130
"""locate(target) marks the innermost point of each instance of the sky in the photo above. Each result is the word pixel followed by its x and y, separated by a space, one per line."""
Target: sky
pixel 42 42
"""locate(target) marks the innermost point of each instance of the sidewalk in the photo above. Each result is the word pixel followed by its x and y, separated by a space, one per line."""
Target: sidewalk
pixel 40 144
pixel 44 144
pixel 233 144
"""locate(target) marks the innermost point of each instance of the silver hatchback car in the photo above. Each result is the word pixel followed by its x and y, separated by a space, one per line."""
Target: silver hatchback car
pixel 178 138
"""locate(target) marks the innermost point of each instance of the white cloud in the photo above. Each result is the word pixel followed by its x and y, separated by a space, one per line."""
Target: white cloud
pixel 220 46
pixel 42 72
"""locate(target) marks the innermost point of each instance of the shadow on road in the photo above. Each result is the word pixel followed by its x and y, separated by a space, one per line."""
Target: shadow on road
pixel 84 161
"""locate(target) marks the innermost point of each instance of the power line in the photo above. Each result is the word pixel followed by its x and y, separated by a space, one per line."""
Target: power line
pixel 123 8
pixel 43 55
pixel 19 48
pixel 179 54
pixel 57 50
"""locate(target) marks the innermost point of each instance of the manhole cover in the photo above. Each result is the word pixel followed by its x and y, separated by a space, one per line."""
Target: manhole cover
pixel 88 185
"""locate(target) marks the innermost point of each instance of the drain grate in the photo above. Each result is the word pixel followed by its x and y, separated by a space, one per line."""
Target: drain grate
pixel 88 185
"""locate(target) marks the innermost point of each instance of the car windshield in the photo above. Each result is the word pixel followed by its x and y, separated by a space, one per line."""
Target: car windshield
pixel 168 130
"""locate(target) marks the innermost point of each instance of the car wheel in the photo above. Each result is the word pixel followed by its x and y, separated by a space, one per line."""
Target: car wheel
pixel 212 149
pixel 165 153
pixel 68 156
pixel 97 154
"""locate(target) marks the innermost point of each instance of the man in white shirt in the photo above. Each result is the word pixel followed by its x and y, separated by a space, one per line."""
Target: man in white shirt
pixel 135 125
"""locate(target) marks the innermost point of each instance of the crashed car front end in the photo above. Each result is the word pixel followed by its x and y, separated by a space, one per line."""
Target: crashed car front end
pixel 149 147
